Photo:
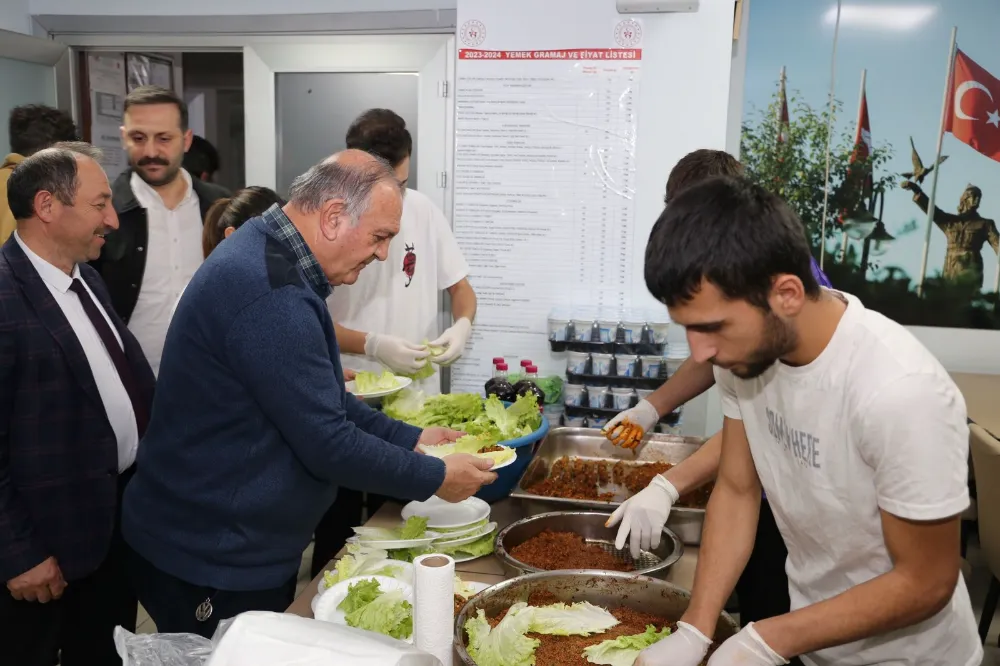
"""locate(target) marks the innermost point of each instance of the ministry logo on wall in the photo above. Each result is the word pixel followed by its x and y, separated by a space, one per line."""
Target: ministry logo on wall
pixel 473 33
pixel 906 218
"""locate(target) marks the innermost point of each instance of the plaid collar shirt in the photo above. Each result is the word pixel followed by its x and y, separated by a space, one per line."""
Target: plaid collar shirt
pixel 283 229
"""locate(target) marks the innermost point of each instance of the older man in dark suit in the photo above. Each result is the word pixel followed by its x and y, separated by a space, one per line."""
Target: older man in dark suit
pixel 75 395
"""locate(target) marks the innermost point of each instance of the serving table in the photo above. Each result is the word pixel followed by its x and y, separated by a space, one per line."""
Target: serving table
pixel 486 569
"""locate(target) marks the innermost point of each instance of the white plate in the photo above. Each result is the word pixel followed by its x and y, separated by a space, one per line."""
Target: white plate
pixel 397 543
pixel 451 541
pixel 326 609
pixel 510 461
pixel 403 382
pixel 440 513
pixel 406 576
pixel 463 531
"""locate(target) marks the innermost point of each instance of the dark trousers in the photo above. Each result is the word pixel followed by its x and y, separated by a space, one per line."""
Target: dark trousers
pixel 172 603
pixel 80 625
pixel 335 526
pixel 762 589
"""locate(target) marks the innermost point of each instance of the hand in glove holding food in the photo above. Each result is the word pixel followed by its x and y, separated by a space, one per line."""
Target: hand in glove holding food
pixel 452 342
pixel 630 426
pixel 395 353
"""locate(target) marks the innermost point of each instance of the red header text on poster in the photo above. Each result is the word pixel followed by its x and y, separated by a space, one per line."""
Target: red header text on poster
pixel 556 54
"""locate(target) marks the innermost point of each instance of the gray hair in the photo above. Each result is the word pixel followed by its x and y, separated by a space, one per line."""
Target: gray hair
pixel 332 179
pixel 52 170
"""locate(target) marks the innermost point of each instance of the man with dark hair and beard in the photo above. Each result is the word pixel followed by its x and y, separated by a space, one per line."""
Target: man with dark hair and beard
pixel 852 428
pixel 161 209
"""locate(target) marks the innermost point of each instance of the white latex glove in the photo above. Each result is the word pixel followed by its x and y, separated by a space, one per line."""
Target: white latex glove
pixel 643 415
pixel 685 647
pixel 746 648
pixel 396 353
pixel 644 515
pixel 453 340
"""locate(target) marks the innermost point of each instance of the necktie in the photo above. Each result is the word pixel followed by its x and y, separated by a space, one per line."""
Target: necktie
pixel 115 352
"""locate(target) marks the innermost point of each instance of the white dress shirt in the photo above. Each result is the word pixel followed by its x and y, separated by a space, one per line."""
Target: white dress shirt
pixel 173 254
pixel 117 404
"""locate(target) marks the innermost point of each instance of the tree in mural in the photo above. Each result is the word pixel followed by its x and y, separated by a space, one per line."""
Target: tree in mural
pixel 795 169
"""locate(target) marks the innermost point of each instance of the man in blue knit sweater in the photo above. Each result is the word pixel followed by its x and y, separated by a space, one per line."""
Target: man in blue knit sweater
pixel 252 430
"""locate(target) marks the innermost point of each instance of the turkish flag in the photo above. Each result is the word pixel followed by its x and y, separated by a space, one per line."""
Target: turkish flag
pixel 973 115
pixel 863 144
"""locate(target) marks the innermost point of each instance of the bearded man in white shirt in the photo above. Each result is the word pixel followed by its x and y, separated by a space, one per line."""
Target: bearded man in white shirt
pixel 852 428
pixel 385 318
pixel 161 210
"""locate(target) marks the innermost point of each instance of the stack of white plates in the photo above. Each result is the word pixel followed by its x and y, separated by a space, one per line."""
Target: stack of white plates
pixel 453 524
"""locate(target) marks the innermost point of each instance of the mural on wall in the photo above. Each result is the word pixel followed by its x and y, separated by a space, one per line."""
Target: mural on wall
pixel 871 225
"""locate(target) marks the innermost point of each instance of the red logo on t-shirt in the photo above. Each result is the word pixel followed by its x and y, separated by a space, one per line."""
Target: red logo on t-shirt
pixel 409 264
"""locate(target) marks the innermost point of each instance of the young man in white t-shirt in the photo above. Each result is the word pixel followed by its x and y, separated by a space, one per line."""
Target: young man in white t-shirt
pixel 385 317
pixel 852 428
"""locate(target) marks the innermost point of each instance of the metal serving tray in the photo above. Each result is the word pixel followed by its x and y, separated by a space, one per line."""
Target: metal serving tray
pixel 655 562
pixel 590 444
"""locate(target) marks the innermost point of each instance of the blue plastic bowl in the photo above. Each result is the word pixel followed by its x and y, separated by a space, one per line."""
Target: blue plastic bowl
pixel 508 476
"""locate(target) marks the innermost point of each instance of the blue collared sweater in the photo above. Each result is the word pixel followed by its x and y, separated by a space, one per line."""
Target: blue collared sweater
pixel 252 430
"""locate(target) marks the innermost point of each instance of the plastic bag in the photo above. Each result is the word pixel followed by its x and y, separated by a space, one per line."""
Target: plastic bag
pixel 259 638
pixel 166 649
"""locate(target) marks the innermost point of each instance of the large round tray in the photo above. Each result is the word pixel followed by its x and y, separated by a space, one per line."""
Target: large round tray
pixel 590 525
pixel 608 589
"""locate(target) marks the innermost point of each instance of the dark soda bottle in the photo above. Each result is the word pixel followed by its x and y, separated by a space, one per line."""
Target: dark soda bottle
pixel 528 385
pixel 498 384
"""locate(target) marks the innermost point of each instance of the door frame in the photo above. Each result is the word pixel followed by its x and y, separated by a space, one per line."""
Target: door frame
pixel 264 55
pixel 355 53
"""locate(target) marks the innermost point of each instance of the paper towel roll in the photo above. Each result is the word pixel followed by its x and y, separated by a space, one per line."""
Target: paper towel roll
pixel 434 605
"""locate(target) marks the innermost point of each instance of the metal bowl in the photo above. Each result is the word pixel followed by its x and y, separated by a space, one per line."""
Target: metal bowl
pixel 610 589
pixel 589 525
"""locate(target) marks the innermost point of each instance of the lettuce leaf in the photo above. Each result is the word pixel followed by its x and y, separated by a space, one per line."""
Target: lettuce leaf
pixel 467 412
pixel 579 619
pixel 405 405
pixel 360 594
pixel 362 561
pixel 369 382
pixel 472 444
pixel 425 371
pixel 388 613
pixel 504 645
pixel 624 650
pixel 407 554
pixel 414 528
pixel 463 589
pixel 479 548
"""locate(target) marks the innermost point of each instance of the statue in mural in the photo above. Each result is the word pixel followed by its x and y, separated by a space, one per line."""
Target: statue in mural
pixel 966 232
pixel 919 170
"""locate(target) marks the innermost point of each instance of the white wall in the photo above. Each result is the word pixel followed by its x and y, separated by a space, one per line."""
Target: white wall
pixel 15 15
pixel 23 83
pixel 222 7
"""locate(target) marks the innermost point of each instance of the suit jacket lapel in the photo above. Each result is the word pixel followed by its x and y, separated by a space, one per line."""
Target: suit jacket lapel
pixel 52 317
